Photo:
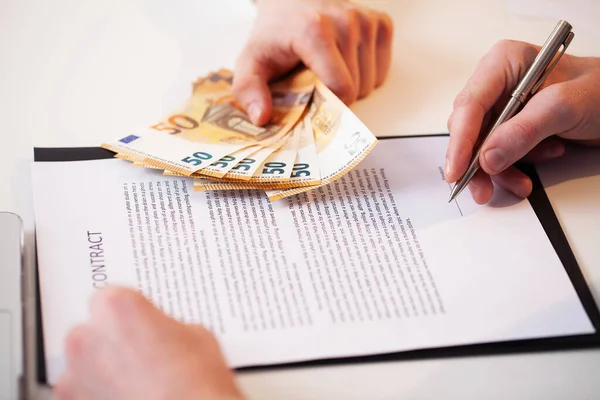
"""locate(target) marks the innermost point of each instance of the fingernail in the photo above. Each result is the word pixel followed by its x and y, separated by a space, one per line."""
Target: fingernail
pixel 472 189
pixel 495 159
pixel 554 151
pixel 447 168
pixel 254 112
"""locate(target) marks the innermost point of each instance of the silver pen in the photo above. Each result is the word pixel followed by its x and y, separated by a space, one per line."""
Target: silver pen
pixel 530 83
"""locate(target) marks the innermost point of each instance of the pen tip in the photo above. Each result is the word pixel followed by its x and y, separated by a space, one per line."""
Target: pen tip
pixel 453 194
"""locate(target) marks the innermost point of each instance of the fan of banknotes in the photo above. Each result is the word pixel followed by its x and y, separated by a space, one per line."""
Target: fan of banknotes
pixel 311 140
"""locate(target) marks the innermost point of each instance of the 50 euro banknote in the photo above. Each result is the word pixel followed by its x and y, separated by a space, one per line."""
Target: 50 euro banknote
pixel 211 134
pixel 339 138
pixel 301 170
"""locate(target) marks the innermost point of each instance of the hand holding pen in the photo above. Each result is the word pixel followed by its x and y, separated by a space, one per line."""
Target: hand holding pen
pixel 565 106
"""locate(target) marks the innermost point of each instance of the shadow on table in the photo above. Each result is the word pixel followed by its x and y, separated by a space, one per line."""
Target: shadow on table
pixel 578 162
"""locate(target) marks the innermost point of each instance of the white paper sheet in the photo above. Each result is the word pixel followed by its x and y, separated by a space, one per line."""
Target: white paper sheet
pixel 376 262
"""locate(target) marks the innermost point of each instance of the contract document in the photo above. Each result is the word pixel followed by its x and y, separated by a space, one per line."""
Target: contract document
pixel 376 262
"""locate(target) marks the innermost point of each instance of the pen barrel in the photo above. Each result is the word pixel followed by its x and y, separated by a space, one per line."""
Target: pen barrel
pixel 512 107
pixel 509 111
pixel 557 38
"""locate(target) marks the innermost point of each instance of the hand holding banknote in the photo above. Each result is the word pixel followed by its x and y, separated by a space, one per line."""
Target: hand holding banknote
pixel 304 62
pixel 348 46
pixel 312 138
pixel 129 349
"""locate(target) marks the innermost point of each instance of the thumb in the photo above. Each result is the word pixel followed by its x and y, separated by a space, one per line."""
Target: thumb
pixel 548 113
pixel 250 85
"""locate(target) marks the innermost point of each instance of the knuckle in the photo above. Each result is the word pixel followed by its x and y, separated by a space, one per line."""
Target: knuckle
pixel 503 46
pixel 462 99
pixel 520 52
pixel 525 133
pixel 449 122
pixel 238 86
pixel 561 94
pixel 369 22
pixel 75 342
pixel 241 82
pixel 526 53
pixel 317 28
pixel 346 90
pixel 245 59
pixel 466 99
pixel 469 145
pixel 349 25
pixel 365 91
pixel 115 300
pixel 386 25
pixel 350 17
pixel 565 104
pixel 245 64
pixel 205 335
pixel 62 389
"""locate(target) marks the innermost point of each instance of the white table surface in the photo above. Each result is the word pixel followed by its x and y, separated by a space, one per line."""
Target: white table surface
pixel 80 72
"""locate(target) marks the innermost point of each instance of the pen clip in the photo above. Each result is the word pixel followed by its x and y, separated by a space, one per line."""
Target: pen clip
pixel 565 44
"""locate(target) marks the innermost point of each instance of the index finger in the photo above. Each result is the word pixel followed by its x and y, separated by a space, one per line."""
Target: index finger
pixel 121 311
pixel 496 75
pixel 318 50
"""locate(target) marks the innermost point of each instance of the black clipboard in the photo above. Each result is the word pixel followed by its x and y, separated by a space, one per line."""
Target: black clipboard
pixel 545 214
